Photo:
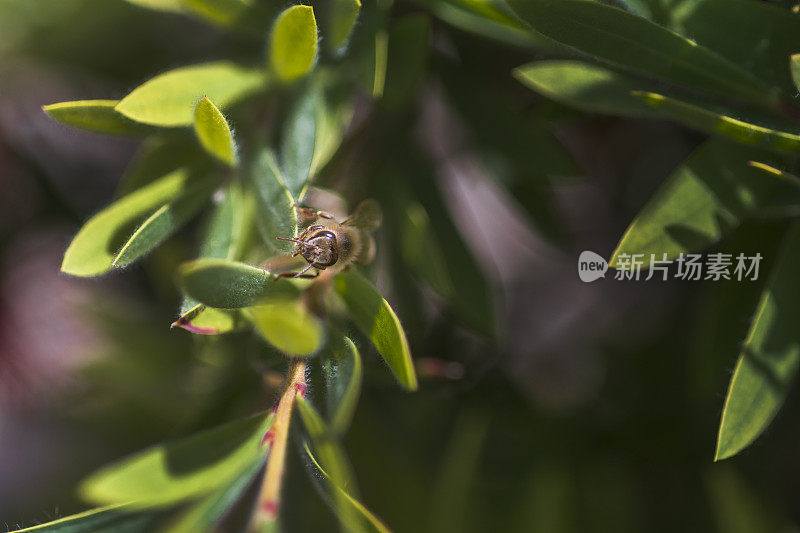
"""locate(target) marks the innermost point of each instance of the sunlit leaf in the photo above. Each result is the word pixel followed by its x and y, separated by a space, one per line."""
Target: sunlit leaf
pixel 203 515
pixel 588 87
pixel 704 199
pixel 636 43
pixel 98 116
pixel 183 470
pixel 165 221
pixel 288 325
pixel 377 319
pixel 343 373
pixel 94 248
pixel 110 519
pixel 715 122
pixel 768 363
pixel 174 6
pixel 214 132
pixel 169 98
pixel 293 43
pixel 341 21
pixel 204 320
pixel 226 284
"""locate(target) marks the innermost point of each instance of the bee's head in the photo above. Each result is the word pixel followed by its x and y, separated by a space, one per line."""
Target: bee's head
pixel 319 248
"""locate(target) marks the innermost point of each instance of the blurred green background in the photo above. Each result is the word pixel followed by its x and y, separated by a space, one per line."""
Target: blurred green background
pixel 596 411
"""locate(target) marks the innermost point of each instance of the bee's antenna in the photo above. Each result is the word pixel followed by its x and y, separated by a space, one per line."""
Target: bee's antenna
pixel 299 242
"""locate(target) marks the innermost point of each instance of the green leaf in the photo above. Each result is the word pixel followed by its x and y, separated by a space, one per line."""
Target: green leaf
pixel 182 470
pixel 169 98
pixel 379 322
pixel 353 513
pixel 297 147
pixel 638 44
pixel 713 23
pixel 341 21
pixel 110 519
pixel 704 199
pixel 715 122
pixel 94 248
pixel 407 59
pixel 220 12
pixel 768 363
pixel 226 284
pixel 203 515
pixel 422 252
pixel 293 43
pixel 587 87
pixel 343 374
pixel 213 131
pixel 337 471
pixel 288 325
pixel 275 215
pixel 98 116
pixel 168 219
pixel 333 114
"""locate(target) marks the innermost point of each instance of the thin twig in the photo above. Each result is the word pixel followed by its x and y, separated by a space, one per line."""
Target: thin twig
pixel 269 497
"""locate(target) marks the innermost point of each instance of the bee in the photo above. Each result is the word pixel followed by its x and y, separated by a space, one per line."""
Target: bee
pixel 328 244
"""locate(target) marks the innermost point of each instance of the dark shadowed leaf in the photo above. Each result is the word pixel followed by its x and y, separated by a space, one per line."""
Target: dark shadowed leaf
pixel 340 23
pixel 768 363
pixel 705 198
pixel 168 219
pixel 158 156
pixel 183 470
pixel 342 365
pixel 379 322
pixel 293 43
pixel 94 248
pixel 98 116
pixel 297 146
pixel 407 59
pixel 636 43
pixel 169 98
pixel 275 215
pixel 213 132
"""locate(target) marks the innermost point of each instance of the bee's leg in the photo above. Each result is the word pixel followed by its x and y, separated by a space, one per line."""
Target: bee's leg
pixel 307 215
pixel 302 273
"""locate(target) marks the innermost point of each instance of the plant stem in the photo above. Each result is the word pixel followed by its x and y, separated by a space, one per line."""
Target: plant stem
pixel 276 437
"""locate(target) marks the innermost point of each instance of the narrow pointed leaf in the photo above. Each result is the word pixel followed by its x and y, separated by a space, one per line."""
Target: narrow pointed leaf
pixel 169 98
pixel 110 519
pixel 288 325
pixel 768 363
pixel 715 122
pixel 297 147
pixel 356 516
pixel 293 43
pixel 185 469
pixel 214 132
pixel 94 248
pixel 407 59
pixel 638 44
pixel 343 374
pixel 703 200
pixel 168 219
pixel 379 322
pixel 99 116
